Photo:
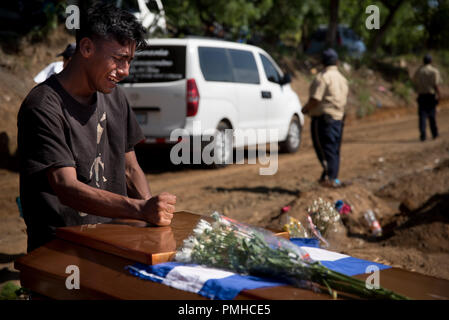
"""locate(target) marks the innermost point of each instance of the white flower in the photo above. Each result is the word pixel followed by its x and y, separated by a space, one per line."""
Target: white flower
pixel 190 243
pixel 184 255
pixel 202 226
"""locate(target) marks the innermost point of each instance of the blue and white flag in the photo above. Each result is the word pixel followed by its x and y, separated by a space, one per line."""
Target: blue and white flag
pixel 224 285
pixel 342 263
pixel 211 283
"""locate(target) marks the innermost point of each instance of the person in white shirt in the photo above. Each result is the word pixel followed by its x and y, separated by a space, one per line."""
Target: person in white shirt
pixel 57 66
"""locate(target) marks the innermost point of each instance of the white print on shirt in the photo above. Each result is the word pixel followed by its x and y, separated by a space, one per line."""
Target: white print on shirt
pixel 97 166
pixel 98 161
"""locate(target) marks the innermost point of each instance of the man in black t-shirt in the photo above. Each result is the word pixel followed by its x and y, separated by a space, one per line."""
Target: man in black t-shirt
pixel 76 137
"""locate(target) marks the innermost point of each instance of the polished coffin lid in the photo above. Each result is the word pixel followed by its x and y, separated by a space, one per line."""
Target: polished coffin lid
pixel 102 251
pixel 133 239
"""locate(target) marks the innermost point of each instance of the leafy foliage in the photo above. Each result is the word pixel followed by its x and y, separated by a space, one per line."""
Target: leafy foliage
pixel 415 24
pixel 11 291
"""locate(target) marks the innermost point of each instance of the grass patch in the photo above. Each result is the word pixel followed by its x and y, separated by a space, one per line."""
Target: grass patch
pixel 365 106
pixel 403 90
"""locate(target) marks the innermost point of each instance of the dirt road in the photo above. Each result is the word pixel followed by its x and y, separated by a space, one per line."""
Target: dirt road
pixel 381 155
pixel 374 152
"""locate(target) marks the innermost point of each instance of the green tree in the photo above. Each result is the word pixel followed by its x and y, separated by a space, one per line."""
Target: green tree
pixel 332 28
pixel 204 17
pixel 272 20
pixel 392 6
pixel 433 16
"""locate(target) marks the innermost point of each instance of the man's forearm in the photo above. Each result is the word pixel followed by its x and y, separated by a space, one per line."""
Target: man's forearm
pixel 157 210
pixel 137 184
pixel 87 199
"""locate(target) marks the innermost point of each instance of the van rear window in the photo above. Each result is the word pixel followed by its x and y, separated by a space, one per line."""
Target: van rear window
pixel 158 64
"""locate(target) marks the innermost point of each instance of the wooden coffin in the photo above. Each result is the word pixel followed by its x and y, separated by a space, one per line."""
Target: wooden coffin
pixel 102 251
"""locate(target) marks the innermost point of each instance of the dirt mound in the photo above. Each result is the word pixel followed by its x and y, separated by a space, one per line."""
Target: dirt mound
pixel 418 240
pixel 414 190
pixel 358 197
pixel 417 237
pixel 423 221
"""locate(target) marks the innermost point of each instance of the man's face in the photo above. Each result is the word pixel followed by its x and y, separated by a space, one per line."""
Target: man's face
pixel 110 64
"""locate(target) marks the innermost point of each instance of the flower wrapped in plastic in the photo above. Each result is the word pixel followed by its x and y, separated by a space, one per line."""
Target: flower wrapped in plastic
pixel 324 216
pixel 295 229
pixel 238 247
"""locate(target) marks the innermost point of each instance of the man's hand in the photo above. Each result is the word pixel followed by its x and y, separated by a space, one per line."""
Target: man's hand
pixel 159 209
pixel 311 104
pixel 305 110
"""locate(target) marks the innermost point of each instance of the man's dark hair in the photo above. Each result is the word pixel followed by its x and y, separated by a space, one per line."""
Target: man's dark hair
pixel 427 59
pixel 104 20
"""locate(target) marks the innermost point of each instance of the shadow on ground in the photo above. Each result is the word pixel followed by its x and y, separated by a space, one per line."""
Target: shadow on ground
pixel 259 189
pixel 155 159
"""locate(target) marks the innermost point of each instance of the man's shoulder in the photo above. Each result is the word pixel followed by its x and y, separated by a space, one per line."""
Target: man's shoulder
pixel 332 74
pixel 433 69
pixel 320 76
pixel 427 68
pixel 42 97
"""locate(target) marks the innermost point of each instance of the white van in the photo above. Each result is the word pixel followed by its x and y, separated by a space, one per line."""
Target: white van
pixel 221 85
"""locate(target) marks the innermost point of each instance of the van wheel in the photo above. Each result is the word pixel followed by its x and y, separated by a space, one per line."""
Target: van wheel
pixel 293 141
pixel 223 146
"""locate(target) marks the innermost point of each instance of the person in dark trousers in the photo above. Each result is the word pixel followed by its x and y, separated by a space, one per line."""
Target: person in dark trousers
pixel 326 107
pixel 426 81
pixel 76 137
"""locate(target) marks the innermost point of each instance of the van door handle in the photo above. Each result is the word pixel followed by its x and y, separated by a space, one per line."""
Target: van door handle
pixel 266 95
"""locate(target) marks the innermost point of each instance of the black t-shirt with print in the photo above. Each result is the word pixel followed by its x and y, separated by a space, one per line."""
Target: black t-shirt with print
pixel 55 130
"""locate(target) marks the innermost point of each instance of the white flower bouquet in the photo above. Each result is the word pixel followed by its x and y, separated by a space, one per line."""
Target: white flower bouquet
pixel 244 249
pixel 324 216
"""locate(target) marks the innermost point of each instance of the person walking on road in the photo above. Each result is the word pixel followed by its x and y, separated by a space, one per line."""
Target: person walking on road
pixel 426 80
pixel 326 107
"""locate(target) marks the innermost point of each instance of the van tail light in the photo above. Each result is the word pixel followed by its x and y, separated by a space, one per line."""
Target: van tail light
pixel 193 98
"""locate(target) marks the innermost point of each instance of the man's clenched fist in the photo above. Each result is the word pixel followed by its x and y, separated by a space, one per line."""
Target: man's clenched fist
pixel 159 209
